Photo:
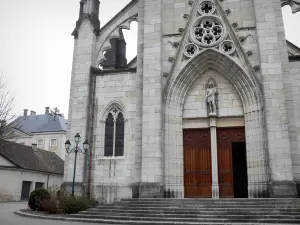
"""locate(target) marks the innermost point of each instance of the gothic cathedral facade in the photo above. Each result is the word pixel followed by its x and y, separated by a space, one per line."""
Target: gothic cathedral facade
pixel 210 107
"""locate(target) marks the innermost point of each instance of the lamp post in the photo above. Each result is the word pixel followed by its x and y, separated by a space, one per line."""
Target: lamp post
pixel 76 150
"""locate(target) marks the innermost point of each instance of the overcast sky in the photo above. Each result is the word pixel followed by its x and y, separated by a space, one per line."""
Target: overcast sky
pixel 36 48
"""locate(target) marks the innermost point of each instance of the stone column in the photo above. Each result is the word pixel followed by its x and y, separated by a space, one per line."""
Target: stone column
pixel 152 168
pixel 139 101
pixel 214 157
pixel 79 104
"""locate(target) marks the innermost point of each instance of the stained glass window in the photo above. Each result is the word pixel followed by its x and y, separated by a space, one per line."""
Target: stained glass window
pixel 119 146
pixel 114 134
pixel 109 135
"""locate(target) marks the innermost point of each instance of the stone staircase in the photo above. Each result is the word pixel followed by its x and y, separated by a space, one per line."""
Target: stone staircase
pixel 196 211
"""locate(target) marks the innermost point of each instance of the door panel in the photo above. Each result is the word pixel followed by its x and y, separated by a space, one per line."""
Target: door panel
pixel 225 170
pixel 39 185
pixel 225 138
pixel 25 190
pixel 197 163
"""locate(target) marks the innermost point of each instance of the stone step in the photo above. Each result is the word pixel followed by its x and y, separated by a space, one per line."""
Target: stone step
pixel 196 207
pixel 146 220
pixel 195 215
pixel 195 211
pixel 205 205
pixel 138 222
pixel 211 200
pixel 208 203
pixel 191 212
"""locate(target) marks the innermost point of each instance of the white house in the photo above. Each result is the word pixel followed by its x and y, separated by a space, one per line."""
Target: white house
pixel 24 169
pixel 45 130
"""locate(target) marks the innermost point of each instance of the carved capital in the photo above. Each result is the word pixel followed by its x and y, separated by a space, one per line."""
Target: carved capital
pixel 295 4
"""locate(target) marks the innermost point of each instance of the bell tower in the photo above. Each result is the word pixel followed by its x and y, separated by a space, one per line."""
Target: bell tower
pixel 89 9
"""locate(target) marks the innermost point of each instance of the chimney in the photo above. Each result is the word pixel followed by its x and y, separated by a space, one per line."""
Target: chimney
pixel 47 110
pixel 34 147
pixel 25 112
pixel 32 113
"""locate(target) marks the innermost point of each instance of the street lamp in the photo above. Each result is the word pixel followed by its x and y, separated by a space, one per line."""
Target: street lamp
pixel 76 150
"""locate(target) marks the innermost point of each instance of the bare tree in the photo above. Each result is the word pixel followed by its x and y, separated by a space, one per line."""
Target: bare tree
pixel 8 120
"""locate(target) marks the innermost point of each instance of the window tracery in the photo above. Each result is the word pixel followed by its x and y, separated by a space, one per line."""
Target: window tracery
pixel 190 50
pixel 114 133
pixel 206 7
pixel 208 31
pixel 227 47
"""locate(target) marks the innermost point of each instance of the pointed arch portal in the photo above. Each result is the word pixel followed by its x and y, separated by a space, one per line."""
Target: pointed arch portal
pixel 248 88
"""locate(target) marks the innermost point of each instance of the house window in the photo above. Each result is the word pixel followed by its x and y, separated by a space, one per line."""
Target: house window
pixel 114 134
pixel 53 142
pixel 39 185
pixel 40 143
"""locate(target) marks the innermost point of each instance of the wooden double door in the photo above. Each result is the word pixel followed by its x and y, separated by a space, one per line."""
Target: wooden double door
pixel 232 168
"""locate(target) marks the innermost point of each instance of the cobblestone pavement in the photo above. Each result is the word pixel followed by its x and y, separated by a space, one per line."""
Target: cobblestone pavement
pixel 8 218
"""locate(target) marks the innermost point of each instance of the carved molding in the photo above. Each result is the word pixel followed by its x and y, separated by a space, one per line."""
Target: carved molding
pixel 295 4
pixel 200 123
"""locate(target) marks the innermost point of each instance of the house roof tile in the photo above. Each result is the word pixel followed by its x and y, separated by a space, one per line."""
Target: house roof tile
pixel 26 157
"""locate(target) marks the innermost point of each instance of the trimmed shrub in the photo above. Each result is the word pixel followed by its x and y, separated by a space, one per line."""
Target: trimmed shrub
pixel 36 197
pixel 49 206
pixel 91 203
pixel 72 205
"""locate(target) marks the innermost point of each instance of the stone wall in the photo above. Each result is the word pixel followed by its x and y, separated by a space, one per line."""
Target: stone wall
pixel 294 81
pixel 275 70
pixel 114 176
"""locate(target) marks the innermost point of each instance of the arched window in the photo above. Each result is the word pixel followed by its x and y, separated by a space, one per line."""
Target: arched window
pixel 114 133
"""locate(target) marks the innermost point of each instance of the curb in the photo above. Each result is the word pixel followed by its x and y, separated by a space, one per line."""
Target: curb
pixel 58 218
pixel 29 215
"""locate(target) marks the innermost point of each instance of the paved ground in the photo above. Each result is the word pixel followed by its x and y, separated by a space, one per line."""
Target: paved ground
pixel 8 218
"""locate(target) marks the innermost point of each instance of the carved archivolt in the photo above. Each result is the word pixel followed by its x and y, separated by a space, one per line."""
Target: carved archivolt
pixel 295 4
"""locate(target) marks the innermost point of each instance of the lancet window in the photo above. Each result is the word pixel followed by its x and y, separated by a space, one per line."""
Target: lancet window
pixel 114 133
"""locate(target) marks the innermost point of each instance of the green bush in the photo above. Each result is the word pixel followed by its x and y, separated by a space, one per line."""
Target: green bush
pixel 36 197
pixel 49 206
pixel 55 200
pixel 73 205
pixel 91 202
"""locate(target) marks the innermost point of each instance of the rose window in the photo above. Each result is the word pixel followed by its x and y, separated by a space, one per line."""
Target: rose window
pixel 190 50
pixel 207 7
pixel 227 47
pixel 208 31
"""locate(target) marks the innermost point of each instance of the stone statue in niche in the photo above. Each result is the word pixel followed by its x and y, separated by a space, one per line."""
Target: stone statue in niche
pixel 210 97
